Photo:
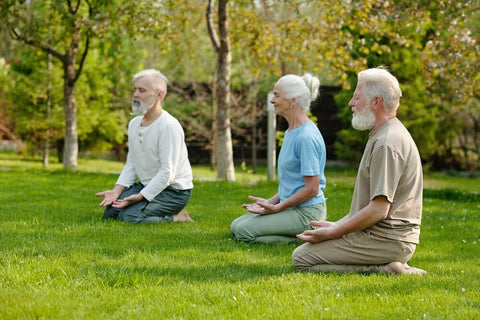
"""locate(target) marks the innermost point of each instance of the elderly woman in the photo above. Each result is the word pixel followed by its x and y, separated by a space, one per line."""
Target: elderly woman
pixel 301 164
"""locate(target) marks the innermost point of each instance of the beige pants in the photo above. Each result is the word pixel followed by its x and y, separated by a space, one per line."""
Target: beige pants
pixel 357 251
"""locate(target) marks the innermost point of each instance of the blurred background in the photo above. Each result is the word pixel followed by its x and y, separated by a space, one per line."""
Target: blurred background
pixel 66 72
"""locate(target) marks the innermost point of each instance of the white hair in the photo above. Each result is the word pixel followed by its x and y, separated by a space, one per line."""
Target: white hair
pixel 379 82
pixel 305 88
pixel 161 84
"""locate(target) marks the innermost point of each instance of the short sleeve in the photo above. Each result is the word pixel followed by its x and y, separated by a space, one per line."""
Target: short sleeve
pixel 310 155
pixel 384 179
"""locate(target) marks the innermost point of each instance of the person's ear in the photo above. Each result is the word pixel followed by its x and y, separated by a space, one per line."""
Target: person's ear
pixel 160 94
pixel 294 101
pixel 377 102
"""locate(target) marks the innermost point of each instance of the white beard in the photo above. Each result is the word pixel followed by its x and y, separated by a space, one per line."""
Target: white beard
pixel 363 120
pixel 141 107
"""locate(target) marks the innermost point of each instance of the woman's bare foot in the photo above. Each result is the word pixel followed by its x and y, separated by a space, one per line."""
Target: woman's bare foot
pixel 182 216
pixel 397 267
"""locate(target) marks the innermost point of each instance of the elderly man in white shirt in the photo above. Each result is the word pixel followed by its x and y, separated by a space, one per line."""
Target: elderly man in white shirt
pixel 157 157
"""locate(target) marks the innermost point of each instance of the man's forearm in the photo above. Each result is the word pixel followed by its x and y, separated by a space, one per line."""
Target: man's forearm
pixel 375 211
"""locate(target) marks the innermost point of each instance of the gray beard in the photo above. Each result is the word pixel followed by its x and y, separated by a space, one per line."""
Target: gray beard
pixel 140 107
pixel 364 120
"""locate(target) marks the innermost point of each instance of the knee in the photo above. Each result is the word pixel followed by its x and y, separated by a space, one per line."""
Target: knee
pixel 131 216
pixel 233 226
pixel 110 213
pixel 298 260
pixel 240 232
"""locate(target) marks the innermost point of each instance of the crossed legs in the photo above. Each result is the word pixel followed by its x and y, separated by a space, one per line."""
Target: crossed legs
pixel 358 251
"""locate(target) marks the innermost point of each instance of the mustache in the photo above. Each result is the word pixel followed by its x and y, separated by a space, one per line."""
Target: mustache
pixel 136 102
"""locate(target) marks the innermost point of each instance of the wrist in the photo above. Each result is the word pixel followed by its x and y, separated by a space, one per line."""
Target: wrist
pixel 274 200
pixel 335 232
pixel 280 206
pixel 118 188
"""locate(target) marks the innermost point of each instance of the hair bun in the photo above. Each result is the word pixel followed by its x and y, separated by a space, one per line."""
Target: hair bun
pixel 313 84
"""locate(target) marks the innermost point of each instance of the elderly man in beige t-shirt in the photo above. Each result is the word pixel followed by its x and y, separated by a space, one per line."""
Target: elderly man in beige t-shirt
pixel 382 229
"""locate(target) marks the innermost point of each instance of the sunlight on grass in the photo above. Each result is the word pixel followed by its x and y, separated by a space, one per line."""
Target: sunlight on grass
pixel 10 161
pixel 60 260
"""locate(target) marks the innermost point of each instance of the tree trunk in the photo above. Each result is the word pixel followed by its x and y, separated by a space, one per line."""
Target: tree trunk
pixel 254 137
pixel 70 147
pixel 223 141
pixel 46 146
pixel 213 162
pixel 70 76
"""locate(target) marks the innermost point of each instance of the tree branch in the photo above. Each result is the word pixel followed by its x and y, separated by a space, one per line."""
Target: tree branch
pixel 82 60
pixel 78 5
pixel 34 43
pixel 223 21
pixel 211 30
pixel 70 7
pixel 87 44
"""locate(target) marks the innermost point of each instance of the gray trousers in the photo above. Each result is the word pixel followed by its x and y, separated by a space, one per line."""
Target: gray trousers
pixel 277 227
pixel 356 251
pixel 161 209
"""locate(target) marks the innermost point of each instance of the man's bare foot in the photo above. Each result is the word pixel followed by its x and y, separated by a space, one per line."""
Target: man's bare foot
pixel 413 270
pixel 399 268
pixel 182 216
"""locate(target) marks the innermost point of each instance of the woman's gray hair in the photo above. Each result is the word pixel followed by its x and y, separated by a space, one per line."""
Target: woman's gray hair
pixel 305 88
pixel 380 82
pixel 162 84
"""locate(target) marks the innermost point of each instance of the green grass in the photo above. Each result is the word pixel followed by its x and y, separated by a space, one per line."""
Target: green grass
pixel 60 260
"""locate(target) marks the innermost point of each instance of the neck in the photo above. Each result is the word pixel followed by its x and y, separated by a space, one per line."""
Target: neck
pixel 152 114
pixel 296 119
pixel 381 120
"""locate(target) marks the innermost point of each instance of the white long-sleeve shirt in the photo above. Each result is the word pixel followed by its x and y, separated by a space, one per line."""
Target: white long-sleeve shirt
pixel 157 156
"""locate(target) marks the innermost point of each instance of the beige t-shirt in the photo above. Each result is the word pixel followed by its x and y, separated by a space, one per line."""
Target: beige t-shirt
pixel 391 167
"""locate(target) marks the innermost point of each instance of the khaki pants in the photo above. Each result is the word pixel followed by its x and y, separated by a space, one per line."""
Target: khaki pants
pixel 356 251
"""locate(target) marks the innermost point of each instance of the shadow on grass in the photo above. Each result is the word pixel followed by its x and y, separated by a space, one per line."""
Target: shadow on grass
pixel 451 195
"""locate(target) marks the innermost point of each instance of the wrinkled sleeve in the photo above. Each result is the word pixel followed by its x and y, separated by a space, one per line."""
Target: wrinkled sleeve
pixel 128 175
pixel 169 158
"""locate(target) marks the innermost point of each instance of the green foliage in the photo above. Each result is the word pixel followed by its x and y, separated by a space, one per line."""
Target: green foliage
pixel 398 36
pixel 451 60
pixel 28 76
pixel 432 47
pixel 61 260
pixel 101 125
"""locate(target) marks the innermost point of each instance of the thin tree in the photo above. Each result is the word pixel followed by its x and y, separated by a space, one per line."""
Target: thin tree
pixel 46 146
pixel 72 68
pixel 221 44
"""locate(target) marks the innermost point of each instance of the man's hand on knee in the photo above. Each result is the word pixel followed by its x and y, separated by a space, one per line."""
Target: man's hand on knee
pixel 123 203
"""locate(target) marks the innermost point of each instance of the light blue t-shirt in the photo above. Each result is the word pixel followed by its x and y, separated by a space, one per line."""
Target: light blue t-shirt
pixel 302 154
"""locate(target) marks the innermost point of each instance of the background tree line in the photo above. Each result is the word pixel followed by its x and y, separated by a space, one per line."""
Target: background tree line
pixel 66 69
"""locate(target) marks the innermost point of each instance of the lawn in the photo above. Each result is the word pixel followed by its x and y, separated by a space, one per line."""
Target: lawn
pixel 60 260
